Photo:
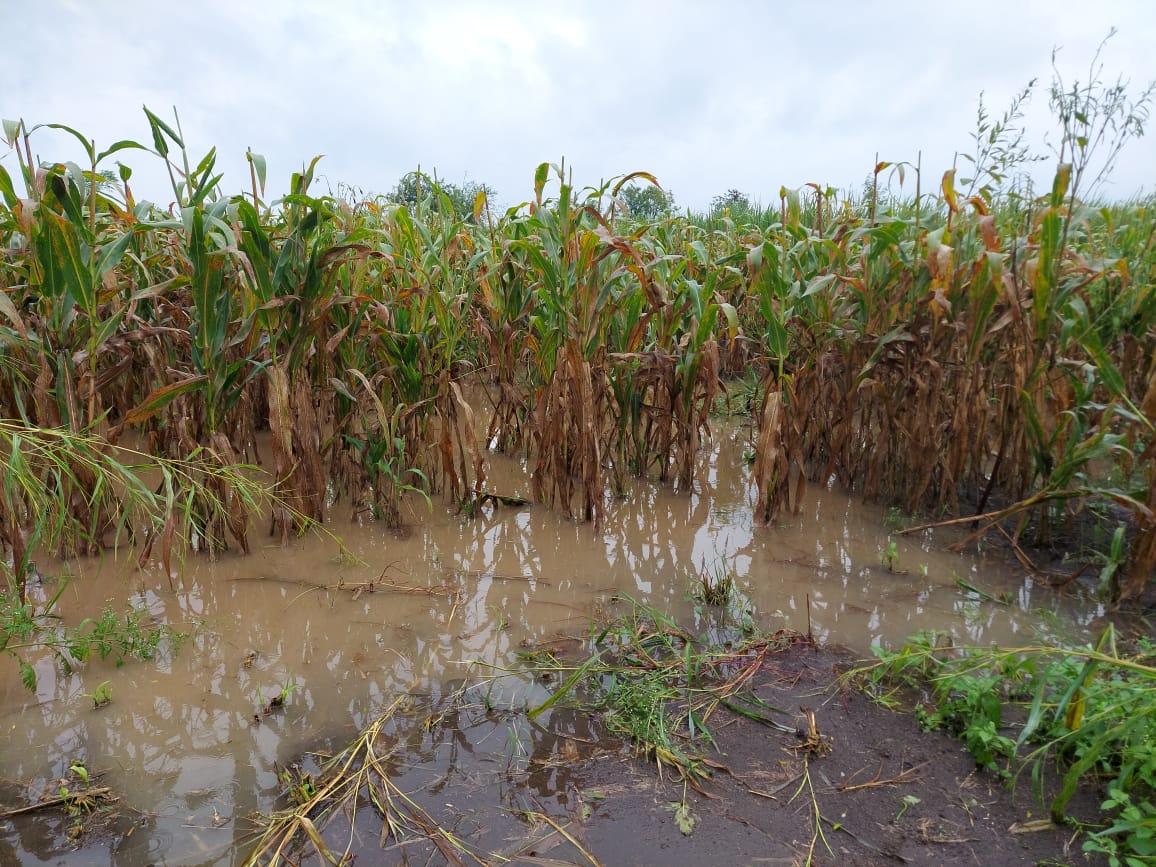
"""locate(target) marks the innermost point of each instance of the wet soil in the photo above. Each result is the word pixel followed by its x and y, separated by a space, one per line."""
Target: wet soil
pixel 760 807
pixel 884 791
pixel 561 791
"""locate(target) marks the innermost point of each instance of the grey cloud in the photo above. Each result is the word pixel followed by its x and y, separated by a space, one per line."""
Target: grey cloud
pixel 746 94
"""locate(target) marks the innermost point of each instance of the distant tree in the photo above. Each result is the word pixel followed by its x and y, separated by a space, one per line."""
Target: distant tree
pixel 646 202
pixel 416 186
pixel 735 201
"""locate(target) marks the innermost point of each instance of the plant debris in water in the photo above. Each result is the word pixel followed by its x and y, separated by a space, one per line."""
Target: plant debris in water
pixel 358 776
pixel 659 687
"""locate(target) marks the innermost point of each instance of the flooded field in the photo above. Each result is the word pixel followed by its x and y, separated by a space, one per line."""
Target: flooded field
pixel 293 650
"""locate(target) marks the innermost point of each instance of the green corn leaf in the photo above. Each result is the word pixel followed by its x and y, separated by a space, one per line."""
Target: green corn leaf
pixel 105 328
pixel 1109 374
pixel 87 144
pixel 111 254
pixel 7 190
pixel 66 272
pixel 160 129
pixel 116 147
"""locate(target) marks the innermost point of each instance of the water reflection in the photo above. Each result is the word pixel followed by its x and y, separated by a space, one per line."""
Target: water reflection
pixel 188 739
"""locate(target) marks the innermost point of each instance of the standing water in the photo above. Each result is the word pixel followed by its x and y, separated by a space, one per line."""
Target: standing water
pixel 292 650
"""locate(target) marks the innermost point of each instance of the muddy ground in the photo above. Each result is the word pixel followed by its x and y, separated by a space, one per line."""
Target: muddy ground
pixel 888 793
pixel 563 793
pixel 760 809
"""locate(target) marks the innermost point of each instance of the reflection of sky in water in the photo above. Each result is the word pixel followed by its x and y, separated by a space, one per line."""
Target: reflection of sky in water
pixel 188 736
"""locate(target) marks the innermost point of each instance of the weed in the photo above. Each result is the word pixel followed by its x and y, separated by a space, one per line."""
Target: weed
pixel 80 772
pixel 658 686
pixel 683 817
pixel 23 627
pixel 895 520
pixel 500 621
pixel 1091 708
pixel 908 801
pixel 101 696
pixel 79 799
pixel 889 556
pixel 715 586
pixel 279 699
pixel 1130 838
pixel 300 786
pixel 1112 563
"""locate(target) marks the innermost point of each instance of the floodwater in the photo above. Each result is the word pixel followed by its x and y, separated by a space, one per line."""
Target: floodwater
pixel 187 746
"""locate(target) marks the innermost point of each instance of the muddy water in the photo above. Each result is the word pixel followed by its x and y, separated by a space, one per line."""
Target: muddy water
pixel 188 746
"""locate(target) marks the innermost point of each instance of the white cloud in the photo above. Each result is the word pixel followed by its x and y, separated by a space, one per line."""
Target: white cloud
pixel 740 94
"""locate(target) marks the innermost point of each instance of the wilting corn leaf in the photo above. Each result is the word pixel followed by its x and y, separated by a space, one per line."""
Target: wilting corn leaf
pixel 1072 704
pixel 949 191
pixel 755 257
pixel 732 318
pixel 160 398
pixel 625 179
pixel 259 166
pixel 578 674
pixel 11 130
pixel 8 309
pixel 540 176
pixel 1060 184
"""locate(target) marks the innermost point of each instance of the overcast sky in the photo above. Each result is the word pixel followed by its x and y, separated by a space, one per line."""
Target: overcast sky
pixel 706 96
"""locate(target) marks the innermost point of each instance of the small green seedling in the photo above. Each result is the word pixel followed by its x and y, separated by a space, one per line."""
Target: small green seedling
pixel 101 696
pixel 895 520
pixel 889 556
pixel 300 786
pixel 908 801
pixel 279 699
pixel 80 771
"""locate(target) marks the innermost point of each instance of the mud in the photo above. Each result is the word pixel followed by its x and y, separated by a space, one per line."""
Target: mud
pixel 882 791
pixel 186 742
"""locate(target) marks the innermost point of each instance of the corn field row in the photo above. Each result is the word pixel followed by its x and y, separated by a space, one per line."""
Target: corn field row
pixel 955 354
